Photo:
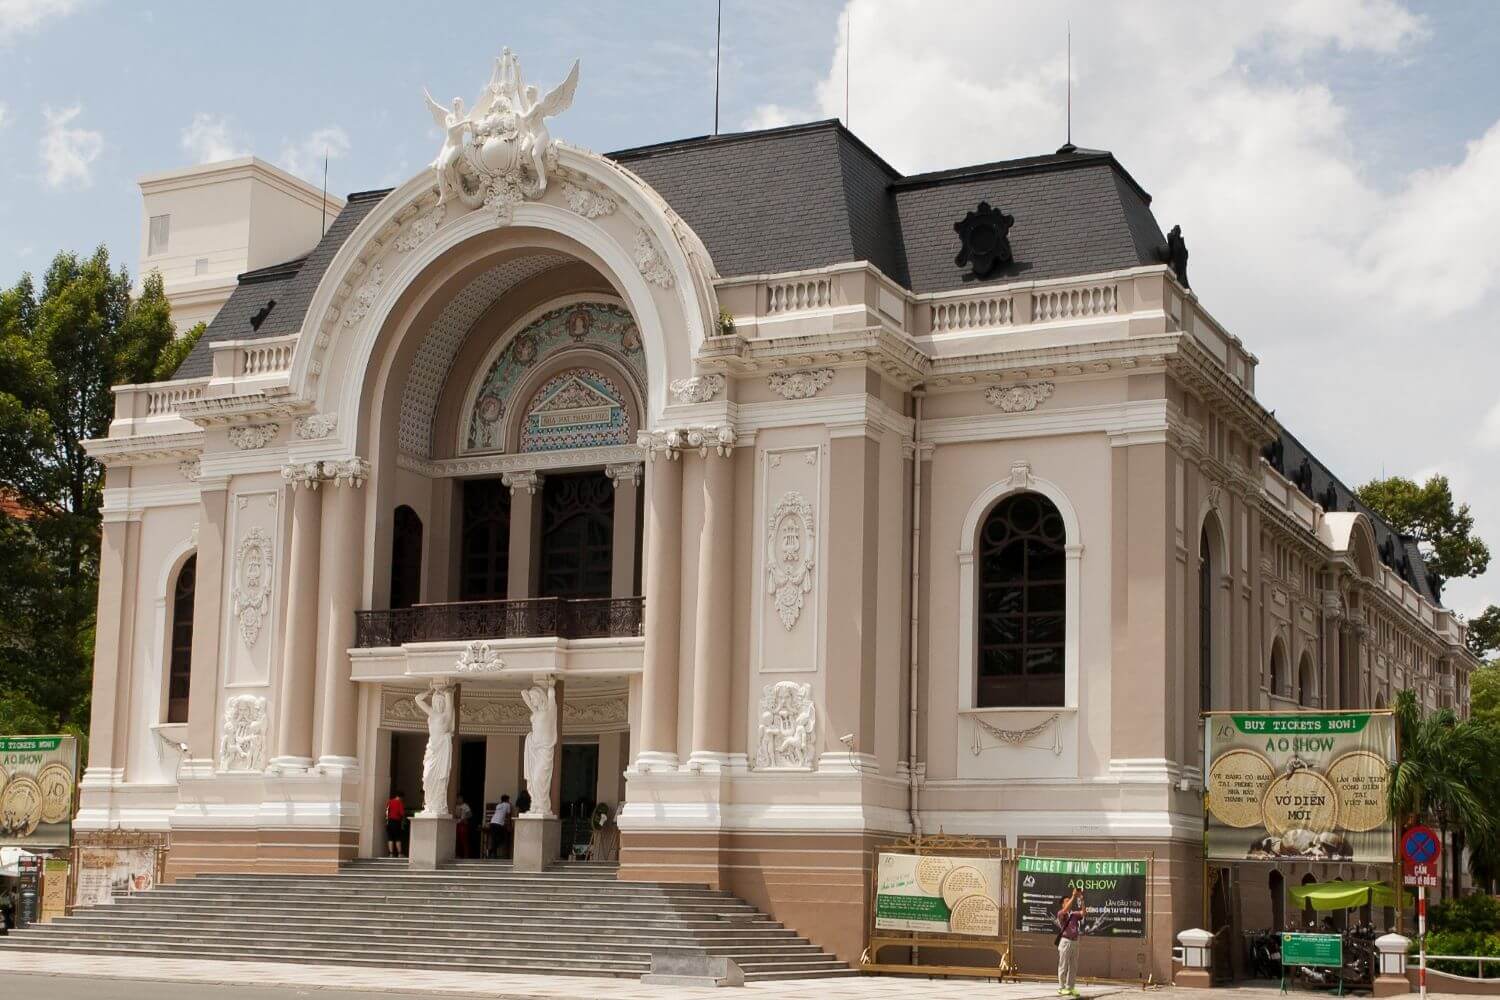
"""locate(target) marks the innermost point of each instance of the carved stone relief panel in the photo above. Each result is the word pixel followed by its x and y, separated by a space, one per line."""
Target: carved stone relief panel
pixel 790 560
pixel 242 744
pixel 786 737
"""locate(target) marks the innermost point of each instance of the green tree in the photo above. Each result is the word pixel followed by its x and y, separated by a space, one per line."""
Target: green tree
pixel 61 349
pixel 1443 529
pixel 1484 696
pixel 173 354
pixel 1484 633
pixel 1438 779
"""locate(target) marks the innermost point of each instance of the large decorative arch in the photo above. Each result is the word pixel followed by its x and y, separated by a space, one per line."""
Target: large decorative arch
pixel 655 261
pixel 1021 481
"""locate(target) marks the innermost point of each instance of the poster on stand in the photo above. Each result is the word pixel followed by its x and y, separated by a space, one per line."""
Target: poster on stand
pixel 105 873
pixel 1308 786
pixel 938 894
pixel 1114 894
pixel 36 791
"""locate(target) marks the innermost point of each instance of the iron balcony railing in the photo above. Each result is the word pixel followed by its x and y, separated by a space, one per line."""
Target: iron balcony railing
pixel 566 618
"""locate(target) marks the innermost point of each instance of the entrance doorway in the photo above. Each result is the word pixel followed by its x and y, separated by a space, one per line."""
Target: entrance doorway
pixel 580 783
pixel 577 545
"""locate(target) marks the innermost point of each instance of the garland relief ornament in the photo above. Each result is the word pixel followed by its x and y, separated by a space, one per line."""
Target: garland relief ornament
pixel 252 584
pixel 1018 398
pixel 498 153
pixel 789 556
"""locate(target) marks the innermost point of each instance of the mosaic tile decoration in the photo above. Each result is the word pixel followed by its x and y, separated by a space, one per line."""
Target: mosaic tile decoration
pixel 578 408
pixel 600 325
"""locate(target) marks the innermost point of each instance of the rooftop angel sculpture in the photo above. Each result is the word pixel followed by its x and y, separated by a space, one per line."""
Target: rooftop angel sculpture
pixel 533 115
pixel 454 124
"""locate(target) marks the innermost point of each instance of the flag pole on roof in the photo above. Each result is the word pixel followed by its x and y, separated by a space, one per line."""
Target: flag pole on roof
pixel 325 192
pixel 718 36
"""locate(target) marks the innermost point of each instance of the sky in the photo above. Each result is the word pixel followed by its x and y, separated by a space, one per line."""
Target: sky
pixel 1334 164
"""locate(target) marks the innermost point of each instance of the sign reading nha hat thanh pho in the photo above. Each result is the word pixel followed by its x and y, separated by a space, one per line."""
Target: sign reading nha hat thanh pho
pixel 1308 785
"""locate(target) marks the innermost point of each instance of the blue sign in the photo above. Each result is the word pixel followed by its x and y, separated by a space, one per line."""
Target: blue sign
pixel 1419 845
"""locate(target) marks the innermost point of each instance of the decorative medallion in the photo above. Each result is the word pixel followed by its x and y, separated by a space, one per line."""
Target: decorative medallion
pixel 419 230
pixel 315 427
pixel 242 745
pixel 790 544
pixel 252 583
pixel 498 153
pixel 479 657
pixel 588 203
pixel 984 235
pixel 799 385
pixel 252 437
pixel 788 727
pixel 364 296
pixel 190 470
pixel 1018 398
pixel 697 389
pixel 650 260
pixel 603 326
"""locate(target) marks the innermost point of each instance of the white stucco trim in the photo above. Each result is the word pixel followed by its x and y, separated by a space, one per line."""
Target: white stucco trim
pixel 1020 481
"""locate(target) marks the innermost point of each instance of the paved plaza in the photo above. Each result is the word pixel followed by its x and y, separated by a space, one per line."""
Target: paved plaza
pixel 40 976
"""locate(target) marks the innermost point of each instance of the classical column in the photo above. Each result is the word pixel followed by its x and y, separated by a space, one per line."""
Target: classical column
pixel 523 569
pixel 663 577
pixel 299 650
pixel 712 653
pixel 853 546
pixel 627 479
pixel 108 677
pixel 208 596
pixel 341 570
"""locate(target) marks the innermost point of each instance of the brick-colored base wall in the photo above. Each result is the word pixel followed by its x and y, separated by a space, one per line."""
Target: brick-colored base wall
pixel 307 852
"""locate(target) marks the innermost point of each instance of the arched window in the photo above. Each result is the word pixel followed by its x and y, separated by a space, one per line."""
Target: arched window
pixel 1022 574
pixel 406 558
pixel 1306 685
pixel 484 566
pixel 1205 622
pixel 577 544
pixel 1278 669
pixel 180 666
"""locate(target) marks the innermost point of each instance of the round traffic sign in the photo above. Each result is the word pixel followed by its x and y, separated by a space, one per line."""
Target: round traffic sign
pixel 1420 845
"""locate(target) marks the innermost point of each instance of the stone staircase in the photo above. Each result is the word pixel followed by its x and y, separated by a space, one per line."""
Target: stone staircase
pixel 478 916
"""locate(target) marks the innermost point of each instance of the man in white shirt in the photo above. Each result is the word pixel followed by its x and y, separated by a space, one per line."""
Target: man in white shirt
pixel 500 828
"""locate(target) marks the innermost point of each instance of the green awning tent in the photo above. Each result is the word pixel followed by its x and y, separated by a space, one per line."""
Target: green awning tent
pixel 1342 895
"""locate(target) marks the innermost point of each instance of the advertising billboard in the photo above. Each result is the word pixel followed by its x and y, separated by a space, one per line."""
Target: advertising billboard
pixel 1308 786
pixel 37 779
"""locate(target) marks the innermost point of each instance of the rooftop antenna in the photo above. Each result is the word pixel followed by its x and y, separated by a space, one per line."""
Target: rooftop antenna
pixel 718 35
pixel 1070 81
pixel 325 192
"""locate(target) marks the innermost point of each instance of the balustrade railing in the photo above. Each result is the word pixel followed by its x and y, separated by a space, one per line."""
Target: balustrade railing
pixel 565 618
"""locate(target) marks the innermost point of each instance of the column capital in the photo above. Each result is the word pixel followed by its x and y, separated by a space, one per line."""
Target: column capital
pixel 340 472
pixel 527 480
pixel 670 442
pixel 628 473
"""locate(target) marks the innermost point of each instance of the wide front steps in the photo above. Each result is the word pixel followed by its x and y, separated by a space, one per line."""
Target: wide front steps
pixel 474 916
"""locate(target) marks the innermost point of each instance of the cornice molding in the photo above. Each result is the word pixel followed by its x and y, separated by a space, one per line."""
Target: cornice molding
pixel 147 449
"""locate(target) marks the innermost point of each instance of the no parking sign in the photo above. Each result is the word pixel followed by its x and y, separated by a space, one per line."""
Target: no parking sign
pixel 1420 850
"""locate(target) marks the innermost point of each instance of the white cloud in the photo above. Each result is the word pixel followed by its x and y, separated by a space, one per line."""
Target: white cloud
pixel 1368 298
pixel 210 138
pixel 305 157
pixel 774 115
pixel 68 154
pixel 4 113
pixel 20 17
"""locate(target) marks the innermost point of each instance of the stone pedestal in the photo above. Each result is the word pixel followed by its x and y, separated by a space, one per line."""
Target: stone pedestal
pixel 538 840
pixel 1197 960
pixel 431 841
pixel 1392 978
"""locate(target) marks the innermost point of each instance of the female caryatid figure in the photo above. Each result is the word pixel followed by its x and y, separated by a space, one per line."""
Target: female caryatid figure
pixel 541 746
pixel 437 761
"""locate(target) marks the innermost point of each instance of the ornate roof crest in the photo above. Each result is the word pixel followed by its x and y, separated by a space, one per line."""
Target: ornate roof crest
pixel 498 153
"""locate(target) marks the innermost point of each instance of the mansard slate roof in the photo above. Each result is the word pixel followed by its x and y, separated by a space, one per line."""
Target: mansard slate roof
pixel 1316 480
pixel 805 196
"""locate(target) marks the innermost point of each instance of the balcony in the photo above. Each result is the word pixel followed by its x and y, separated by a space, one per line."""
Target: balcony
pixel 562 618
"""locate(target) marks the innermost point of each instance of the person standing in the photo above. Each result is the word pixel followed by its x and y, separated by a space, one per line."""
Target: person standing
pixel 464 815
pixel 395 816
pixel 500 828
pixel 1069 928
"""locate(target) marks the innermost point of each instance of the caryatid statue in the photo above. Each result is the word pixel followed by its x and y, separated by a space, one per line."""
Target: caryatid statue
pixel 437 704
pixel 541 745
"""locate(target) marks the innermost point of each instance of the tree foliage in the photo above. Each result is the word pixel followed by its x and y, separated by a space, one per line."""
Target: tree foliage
pixel 62 346
pixel 1484 695
pixel 1484 633
pixel 1443 529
